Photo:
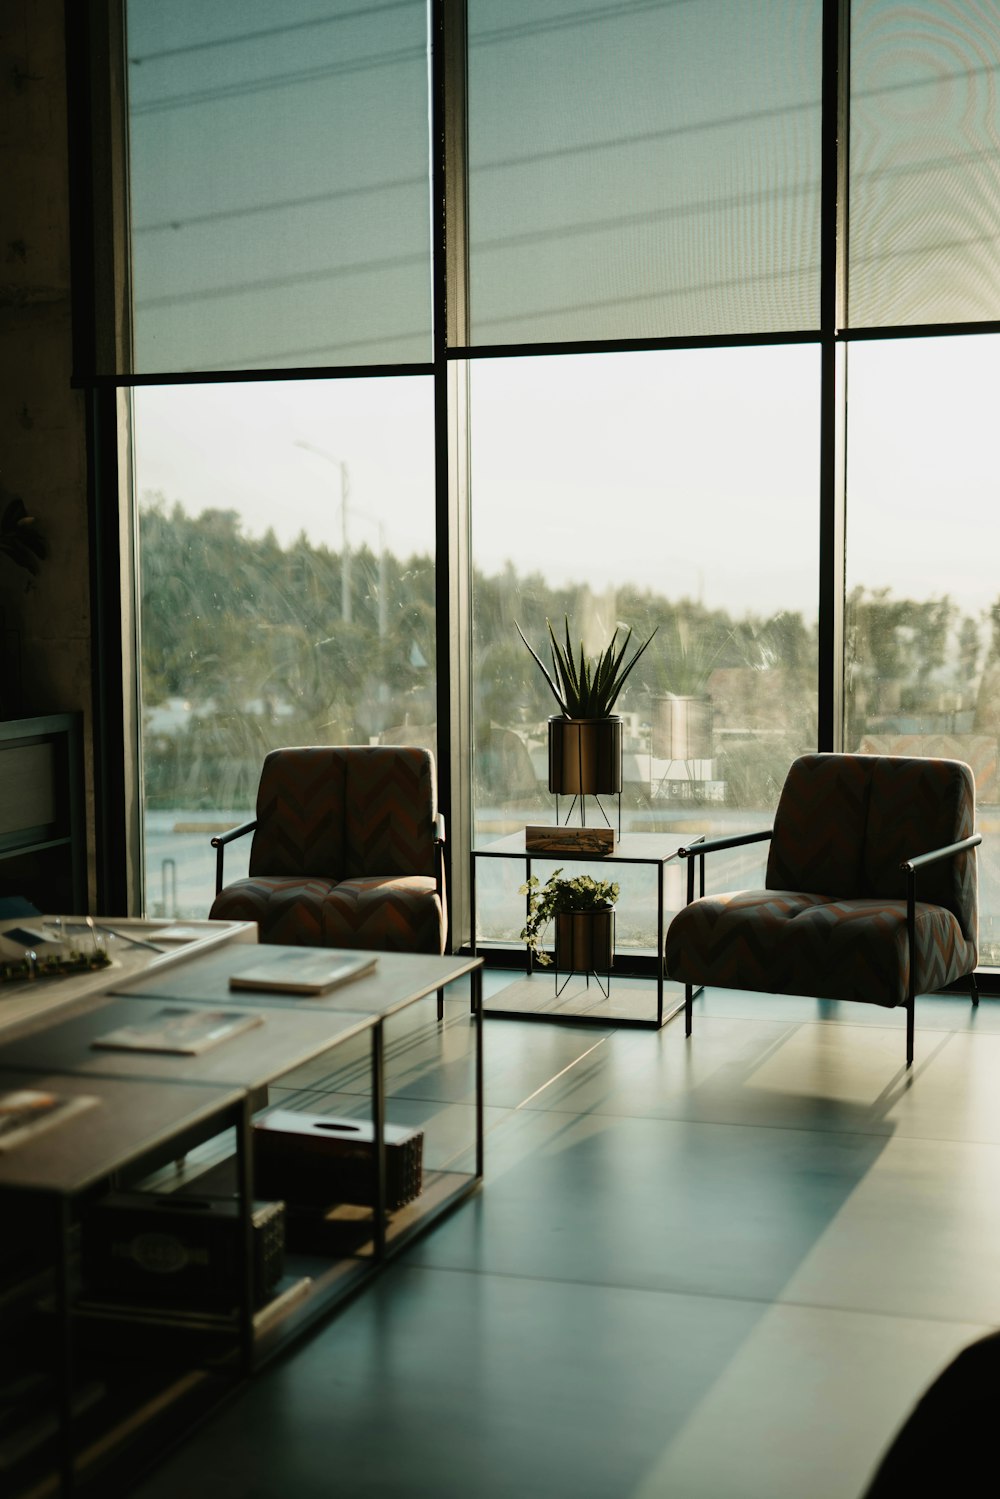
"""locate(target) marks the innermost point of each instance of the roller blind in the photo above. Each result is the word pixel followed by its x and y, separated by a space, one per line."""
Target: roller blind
pixel 645 168
pixel 279 183
pixel 924 162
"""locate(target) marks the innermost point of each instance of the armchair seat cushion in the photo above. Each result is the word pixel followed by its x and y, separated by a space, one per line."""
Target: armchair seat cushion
pixel 288 909
pixel 384 913
pixel 401 913
pixel 795 942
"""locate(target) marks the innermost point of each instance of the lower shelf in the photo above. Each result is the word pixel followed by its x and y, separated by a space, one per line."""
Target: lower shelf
pixel 631 1001
pixel 343 1257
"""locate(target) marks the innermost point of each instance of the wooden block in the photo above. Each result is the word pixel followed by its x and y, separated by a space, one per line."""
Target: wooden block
pixel 555 840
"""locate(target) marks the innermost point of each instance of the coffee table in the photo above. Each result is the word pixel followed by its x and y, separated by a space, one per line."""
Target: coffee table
pixel 155 1106
pixel 654 850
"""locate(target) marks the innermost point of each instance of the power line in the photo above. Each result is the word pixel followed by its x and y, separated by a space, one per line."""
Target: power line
pixel 481 38
pixel 313 200
pixel 280 80
pixel 580 228
pixel 253 361
pixel 271 31
pixel 275 283
pixel 282 205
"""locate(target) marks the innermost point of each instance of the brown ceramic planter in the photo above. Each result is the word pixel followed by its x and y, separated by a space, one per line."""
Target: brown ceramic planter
pixel 585 756
pixel 585 941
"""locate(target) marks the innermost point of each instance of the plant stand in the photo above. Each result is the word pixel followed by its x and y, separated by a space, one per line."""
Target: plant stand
pixel 585 943
pixel 583 812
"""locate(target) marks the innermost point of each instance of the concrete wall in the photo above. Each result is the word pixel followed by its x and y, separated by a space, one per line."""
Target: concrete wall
pixel 46 620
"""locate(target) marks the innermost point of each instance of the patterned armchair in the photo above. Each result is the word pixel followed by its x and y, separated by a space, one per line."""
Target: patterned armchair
pixel 839 916
pixel 347 851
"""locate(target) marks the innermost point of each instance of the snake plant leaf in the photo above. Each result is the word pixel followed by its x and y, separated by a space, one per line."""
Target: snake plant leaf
pixel 588 689
pixel 544 671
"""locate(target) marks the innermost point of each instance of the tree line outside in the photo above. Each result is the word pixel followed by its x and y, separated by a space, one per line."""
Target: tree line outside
pixel 253 636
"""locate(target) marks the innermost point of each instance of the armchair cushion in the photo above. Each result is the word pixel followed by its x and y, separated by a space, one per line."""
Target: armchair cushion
pixel 287 909
pixel 389 811
pixel 301 803
pixel 819 826
pixel 386 915
pixel 919 805
pixel 794 942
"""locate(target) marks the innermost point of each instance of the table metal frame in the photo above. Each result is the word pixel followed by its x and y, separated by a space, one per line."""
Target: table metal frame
pixel 628 850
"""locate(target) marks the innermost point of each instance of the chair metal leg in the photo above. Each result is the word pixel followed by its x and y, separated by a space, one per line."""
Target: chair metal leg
pixel 688 1007
pixel 440 1004
pixel 911 954
pixel 910 1007
pixel 974 988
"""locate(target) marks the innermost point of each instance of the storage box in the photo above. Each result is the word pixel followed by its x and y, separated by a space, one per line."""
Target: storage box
pixel 176 1251
pixel 315 1160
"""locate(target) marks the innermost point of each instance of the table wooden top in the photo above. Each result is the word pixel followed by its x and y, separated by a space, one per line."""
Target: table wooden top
pixel 283 1040
pixel 398 980
pixel 127 1119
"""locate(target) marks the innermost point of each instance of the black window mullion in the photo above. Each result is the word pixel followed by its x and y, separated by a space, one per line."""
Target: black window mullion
pixel 833 393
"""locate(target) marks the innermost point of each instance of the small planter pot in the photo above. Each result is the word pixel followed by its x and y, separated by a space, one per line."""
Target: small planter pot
pixel 585 941
pixel 585 756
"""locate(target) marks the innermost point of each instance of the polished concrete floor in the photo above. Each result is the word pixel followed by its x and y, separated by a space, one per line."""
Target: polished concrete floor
pixel 721 1268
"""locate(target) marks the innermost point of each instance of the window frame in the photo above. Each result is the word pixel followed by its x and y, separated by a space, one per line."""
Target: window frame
pixel 99 203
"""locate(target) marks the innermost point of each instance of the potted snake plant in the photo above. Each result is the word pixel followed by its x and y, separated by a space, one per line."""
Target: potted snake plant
pixel 585 737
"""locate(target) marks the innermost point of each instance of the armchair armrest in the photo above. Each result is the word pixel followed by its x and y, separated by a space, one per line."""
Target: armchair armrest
pixel 219 844
pixel 909 868
pixel 702 845
pixel 439 842
pixel 934 854
pixel 699 847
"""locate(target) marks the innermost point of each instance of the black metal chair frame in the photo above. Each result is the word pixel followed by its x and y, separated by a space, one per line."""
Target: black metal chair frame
pixel 698 850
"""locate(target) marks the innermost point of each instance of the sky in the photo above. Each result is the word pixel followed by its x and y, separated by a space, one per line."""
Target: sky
pixel 694 473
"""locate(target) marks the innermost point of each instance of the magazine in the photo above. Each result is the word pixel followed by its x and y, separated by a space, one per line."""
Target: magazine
pixel 25 1112
pixel 305 972
pixel 180 1031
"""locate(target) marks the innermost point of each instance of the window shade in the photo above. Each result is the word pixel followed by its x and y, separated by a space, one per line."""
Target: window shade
pixel 925 162
pixel 279 183
pixel 646 168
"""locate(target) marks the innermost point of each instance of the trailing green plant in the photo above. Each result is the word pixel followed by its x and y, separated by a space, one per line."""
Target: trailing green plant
pixel 587 690
pixel 558 897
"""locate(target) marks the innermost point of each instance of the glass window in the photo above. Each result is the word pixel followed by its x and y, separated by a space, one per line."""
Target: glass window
pixel 643 170
pixel 286 580
pixel 924 163
pixel 923 602
pixel 279 183
pixel 669 491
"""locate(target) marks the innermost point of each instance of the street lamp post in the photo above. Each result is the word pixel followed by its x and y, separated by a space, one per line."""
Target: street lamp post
pixel 345 550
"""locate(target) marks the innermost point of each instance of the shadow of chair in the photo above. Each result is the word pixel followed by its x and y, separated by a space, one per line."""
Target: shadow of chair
pixel 839 916
pixel 347 851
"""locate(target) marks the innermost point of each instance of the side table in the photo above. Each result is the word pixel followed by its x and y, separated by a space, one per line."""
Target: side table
pixel 654 850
